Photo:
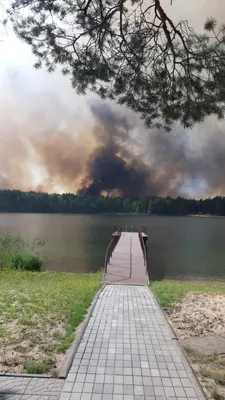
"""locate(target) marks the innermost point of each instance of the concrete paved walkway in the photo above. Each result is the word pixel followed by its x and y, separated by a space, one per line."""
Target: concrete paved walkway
pixel 128 352
pixel 29 388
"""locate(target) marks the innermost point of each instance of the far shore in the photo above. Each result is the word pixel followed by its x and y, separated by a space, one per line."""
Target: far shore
pixel 205 215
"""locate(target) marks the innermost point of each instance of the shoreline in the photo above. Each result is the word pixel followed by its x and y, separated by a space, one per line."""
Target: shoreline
pixel 205 215
pixel 132 214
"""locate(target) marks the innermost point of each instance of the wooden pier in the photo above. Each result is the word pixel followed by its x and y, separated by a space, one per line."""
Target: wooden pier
pixel 126 260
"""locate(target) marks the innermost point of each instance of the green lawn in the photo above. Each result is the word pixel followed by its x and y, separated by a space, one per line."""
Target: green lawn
pixel 169 292
pixel 39 312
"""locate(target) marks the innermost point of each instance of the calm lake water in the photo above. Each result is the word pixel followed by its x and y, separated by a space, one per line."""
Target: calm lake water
pixel 77 243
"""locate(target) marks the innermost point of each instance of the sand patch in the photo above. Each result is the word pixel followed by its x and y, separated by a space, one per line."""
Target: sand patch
pixel 198 315
pixel 201 315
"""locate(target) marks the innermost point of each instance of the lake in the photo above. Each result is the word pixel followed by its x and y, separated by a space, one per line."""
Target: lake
pixel 177 246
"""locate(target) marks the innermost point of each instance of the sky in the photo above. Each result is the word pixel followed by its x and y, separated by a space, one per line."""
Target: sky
pixel 34 104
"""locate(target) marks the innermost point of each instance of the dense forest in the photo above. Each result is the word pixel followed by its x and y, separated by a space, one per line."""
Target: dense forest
pixel 38 202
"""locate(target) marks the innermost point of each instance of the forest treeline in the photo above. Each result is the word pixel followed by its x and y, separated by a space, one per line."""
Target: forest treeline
pixel 38 202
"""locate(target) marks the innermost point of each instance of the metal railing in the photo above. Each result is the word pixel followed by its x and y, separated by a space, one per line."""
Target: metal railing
pixel 130 256
pixel 135 228
pixel 130 228
pixel 112 245
pixel 143 250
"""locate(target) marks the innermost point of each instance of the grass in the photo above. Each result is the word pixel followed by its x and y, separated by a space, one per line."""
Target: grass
pixel 39 314
pixel 18 253
pixel 23 261
pixel 74 320
pixel 170 292
pixel 40 367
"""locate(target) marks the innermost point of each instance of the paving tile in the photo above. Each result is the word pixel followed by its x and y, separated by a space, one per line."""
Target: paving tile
pixel 66 396
pixel 169 391
pixel 86 396
pixel 99 378
pixel 108 388
pixel 109 379
pixel 190 392
pixel 77 387
pixel 155 372
pixel 87 388
pixel 98 388
pixel 128 389
pixel 138 380
pixel 68 386
pixel 107 396
pixel 96 396
pixel 128 380
pixel 118 379
pixel 179 392
pixel 71 377
pixel 159 391
pixel 176 382
pixel 149 390
pixel 138 390
pixel 186 383
pixel 90 378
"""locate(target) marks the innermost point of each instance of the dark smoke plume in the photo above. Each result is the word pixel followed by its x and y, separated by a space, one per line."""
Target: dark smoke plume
pixel 154 162
pixel 111 167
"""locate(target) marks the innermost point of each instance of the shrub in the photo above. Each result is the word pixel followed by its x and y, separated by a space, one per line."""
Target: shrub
pixel 24 261
pixel 18 253
pixel 38 367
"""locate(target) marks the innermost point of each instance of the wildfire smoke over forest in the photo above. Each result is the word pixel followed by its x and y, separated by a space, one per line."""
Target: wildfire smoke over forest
pixel 47 145
pixel 52 140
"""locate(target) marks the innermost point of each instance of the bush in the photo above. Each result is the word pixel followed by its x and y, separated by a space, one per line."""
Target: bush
pixel 18 253
pixel 38 367
pixel 24 261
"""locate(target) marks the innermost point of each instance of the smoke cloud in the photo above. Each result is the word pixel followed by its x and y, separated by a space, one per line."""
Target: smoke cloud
pixel 53 140
pixel 97 148
pixel 112 167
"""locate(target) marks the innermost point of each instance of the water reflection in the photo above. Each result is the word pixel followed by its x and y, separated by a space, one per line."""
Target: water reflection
pixel 77 243
pixel 156 263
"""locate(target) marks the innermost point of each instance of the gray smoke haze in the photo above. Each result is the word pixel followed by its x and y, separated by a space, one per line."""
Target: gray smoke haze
pixel 95 147
pixel 54 140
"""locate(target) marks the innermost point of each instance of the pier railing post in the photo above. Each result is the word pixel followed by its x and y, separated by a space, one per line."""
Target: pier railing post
pixel 111 247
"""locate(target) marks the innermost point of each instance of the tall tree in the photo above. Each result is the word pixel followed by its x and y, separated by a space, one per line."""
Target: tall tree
pixel 130 51
pixel 38 202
